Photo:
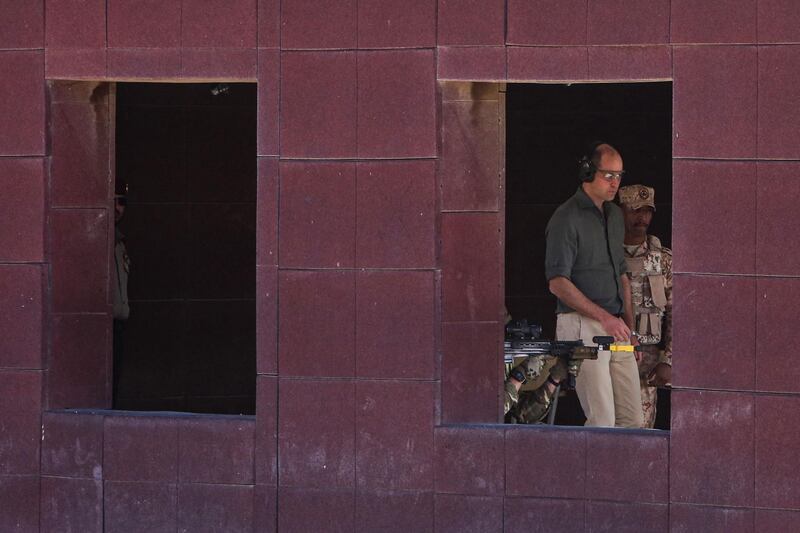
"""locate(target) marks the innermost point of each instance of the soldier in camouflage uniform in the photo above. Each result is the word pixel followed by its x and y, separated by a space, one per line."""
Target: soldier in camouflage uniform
pixel 650 272
pixel 540 375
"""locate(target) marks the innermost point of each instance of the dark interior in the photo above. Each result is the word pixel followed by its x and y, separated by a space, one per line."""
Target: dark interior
pixel 188 155
pixel 549 127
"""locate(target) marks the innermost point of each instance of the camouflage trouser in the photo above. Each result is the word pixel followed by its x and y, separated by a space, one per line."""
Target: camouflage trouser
pixel 511 397
pixel 650 357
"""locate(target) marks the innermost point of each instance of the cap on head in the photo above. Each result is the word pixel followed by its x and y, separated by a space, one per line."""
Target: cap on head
pixel 637 196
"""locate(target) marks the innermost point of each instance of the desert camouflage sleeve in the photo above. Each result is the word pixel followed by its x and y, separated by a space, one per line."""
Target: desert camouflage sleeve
pixel 666 268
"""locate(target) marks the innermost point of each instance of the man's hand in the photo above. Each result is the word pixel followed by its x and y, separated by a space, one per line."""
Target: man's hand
pixel 636 353
pixel 660 376
pixel 616 327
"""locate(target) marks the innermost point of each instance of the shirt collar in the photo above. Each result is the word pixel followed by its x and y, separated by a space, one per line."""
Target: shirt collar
pixel 586 203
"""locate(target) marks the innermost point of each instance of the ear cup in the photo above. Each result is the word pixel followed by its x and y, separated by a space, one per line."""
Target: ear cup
pixel 586 169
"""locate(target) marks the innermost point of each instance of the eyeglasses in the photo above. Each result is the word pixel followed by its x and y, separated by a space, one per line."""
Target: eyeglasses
pixel 611 175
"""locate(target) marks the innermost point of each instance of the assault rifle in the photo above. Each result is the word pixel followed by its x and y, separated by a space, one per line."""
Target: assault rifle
pixel 523 339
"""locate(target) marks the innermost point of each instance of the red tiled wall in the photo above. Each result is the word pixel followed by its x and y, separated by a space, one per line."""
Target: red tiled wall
pixel 347 94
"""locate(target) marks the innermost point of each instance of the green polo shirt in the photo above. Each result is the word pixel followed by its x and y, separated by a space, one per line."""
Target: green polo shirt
pixel 586 247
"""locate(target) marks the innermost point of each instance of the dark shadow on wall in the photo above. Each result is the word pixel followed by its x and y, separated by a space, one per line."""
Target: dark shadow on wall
pixel 188 155
pixel 548 130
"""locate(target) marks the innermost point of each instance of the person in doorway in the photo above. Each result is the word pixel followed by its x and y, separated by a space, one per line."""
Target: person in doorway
pixel 650 274
pixel 120 309
pixel 586 271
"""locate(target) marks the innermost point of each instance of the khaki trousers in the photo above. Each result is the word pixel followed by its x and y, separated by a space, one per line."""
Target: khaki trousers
pixel 608 387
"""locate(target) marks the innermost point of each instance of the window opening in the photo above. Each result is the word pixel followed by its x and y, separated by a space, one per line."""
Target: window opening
pixel 549 127
pixel 183 265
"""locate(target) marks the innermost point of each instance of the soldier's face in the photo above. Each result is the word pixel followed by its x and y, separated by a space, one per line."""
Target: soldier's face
pixel 637 221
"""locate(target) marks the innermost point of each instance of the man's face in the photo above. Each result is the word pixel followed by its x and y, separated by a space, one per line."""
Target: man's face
pixel 603 186
pixel 637 221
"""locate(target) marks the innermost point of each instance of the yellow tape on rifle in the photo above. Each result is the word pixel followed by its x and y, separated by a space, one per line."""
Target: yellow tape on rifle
pixel 621 348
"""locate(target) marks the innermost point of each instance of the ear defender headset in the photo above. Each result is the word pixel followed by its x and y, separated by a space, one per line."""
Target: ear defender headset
pixel 587 168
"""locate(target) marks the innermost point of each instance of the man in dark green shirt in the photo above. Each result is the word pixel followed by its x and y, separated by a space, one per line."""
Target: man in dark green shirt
pixel 585 268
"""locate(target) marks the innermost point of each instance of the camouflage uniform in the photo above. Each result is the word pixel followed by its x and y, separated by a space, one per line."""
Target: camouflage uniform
pixel 530 404
pixel 650 272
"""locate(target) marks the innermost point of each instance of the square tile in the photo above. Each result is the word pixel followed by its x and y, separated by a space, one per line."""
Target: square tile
pixel 318 24
pixel 470 460
pixel 565 478
pixel 471 63
pixel 80 362
pixel 137 448
pixel 75 23
pixel 303 510
pixel 395 214
pixel 317 214
pixel 269 23
pixel 144 23
pixel 216 451
pixel 214 508
pixel 267 320
pixel 715 332
pixel 265 509
pixel 777 186
pixel 713 21
pixel 628 468
pixel 775 326
pixel 75 63
pixel 219 63
pixel 22 103
pixel 529 514
pixel 71 505
pixel 699 210
pixel 72 445
pixel 21 321
pixel 395 324
pixel 221 234
pixel 711 448
pixel 302 295
pixel 218 23
pixel 394 435
pixel 318 104
pixel 627 517
pixel 221 342
pixel 80 152
pixel 267 212
pixel 22 233
pixel 148 63
pixel 777 93
pixel 628 22
pixel 472 372
pixel 468 514
pixel 778 21
pixel 691 518
pixel 20 421
pixel 547 22
pixel 79 258
pixel 776 462
pixel 316 434
pixel 715 100
pixel 135 507
pixel 22 25
pixel 397 104
pixel 397 24
pixel 472 249
pixel 269 103
pixel 469 168
pixel 630 62
pixel 547 63
pixel 774 521
pixel 266 452
pixel 20 496
pixel 394 511
pixel 475 22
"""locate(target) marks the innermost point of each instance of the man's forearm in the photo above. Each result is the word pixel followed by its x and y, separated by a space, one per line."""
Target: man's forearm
pixel 567 292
